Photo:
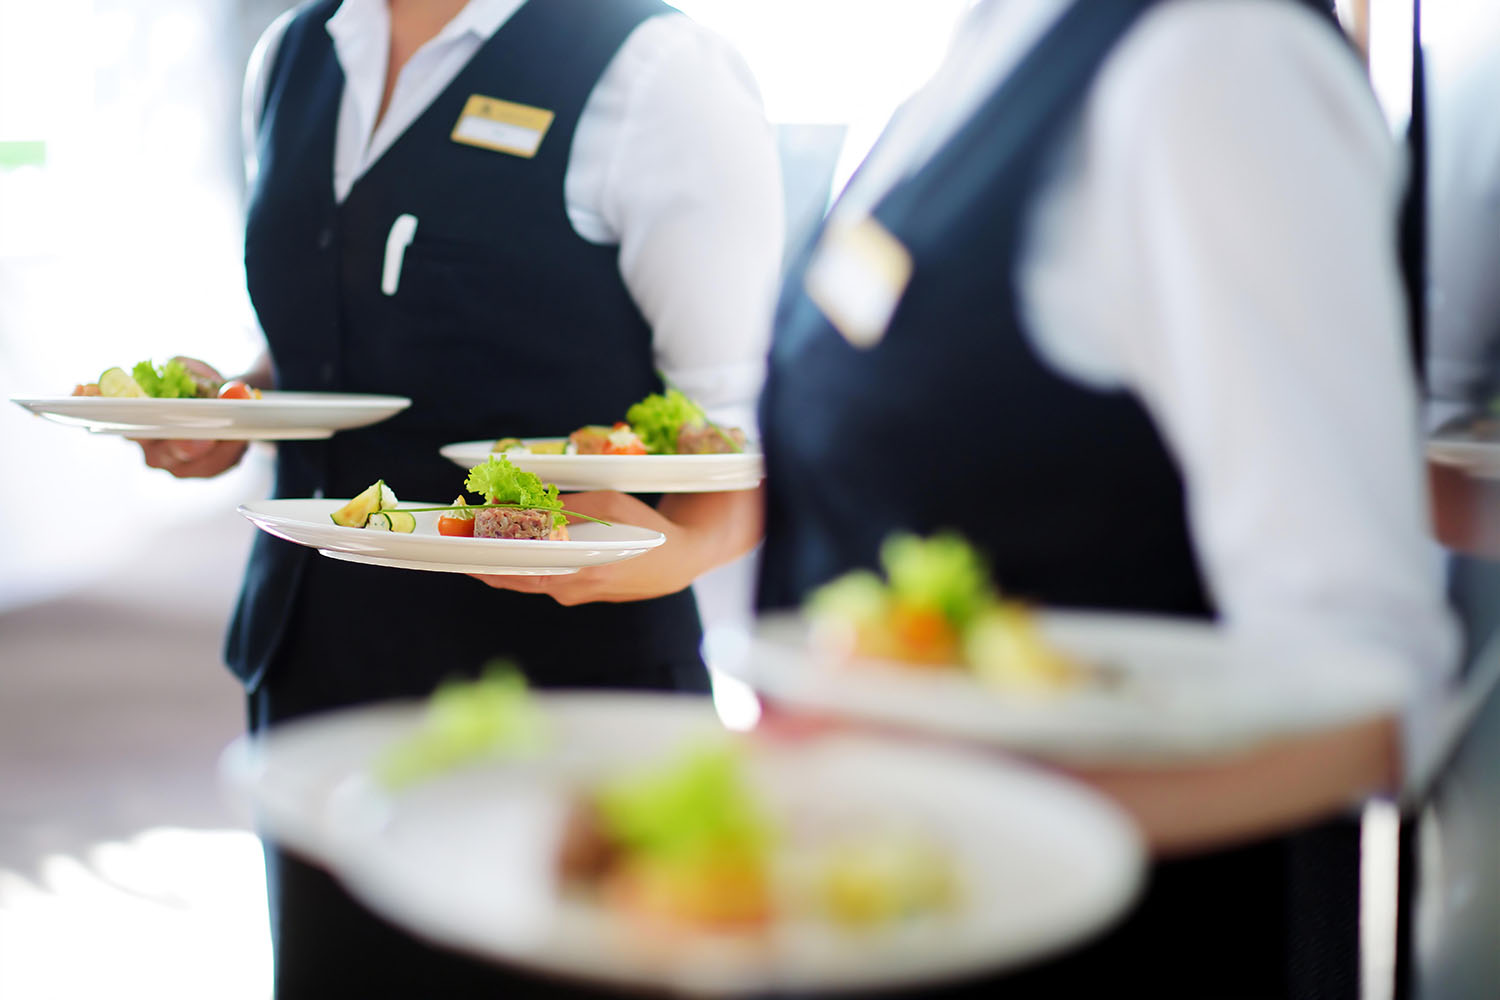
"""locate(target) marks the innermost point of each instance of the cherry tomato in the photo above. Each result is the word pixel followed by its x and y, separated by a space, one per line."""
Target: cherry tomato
pixel 235 389
pixel 459 527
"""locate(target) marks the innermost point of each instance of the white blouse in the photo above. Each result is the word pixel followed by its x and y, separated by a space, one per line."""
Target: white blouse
pixel 673 161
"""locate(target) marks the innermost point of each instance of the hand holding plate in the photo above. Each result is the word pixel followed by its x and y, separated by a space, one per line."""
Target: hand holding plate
pixel 664 570
pixel 194 459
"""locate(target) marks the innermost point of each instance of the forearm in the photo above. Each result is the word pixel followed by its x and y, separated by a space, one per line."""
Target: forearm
pixel 1465 511
pixel 1279 787
pixel 722 526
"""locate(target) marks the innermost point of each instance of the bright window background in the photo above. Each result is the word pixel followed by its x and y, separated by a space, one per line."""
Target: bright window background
pixel 119 240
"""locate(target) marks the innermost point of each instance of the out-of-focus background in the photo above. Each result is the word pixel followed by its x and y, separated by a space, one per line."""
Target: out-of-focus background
pixel 122 872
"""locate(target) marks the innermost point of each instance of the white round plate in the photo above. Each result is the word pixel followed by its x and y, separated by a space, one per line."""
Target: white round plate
pixel 468 860
pixel 1480 459
pixel 291 778
pixel 308 522
pixel 628 473
pixel 1168 690
pixel 278 416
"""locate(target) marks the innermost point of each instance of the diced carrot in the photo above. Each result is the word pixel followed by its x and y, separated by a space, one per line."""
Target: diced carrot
pixel 924 635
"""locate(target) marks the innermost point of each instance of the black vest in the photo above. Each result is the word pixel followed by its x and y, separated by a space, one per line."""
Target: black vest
pixel 505 322
pixel 952 421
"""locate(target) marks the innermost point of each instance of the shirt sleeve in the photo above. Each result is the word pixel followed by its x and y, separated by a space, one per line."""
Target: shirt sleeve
pixel 257 81
pixel 673 160
pixel 1223 242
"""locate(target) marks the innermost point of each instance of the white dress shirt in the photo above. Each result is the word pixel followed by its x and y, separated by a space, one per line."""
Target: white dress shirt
pixel 672 161
pixel 1218 235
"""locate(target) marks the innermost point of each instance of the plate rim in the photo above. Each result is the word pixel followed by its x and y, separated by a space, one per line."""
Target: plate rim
pixel 1107 898
pixel 1019 724
pixel 714 473
pixel 473 556
pixel 281 416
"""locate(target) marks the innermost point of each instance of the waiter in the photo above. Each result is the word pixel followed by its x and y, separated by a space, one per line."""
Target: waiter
pixel 514 213
pixel 1116 297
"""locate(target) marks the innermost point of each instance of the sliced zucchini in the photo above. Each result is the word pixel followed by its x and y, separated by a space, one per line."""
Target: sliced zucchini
pixel 356 512
pixel 118 383
pixel 398 520
pixel 392 520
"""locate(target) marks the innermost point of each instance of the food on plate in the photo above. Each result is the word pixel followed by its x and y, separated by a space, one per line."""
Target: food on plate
pixel 467 721
pixel 666 424
pixel 686 842
pixel 936 607
pixel 517 505
pixel 535 448
pixel 689 844
pixel 173 380
pixel 375 508
pixel 672 424
pixel 531 508
pixel 710 440
pixel 879 877
pixel 458 522
pixel 616 440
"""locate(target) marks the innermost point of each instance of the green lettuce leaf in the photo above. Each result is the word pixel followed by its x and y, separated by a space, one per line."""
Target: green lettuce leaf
pixel 466 721
pixel 499 481
pixel 170 381
pixel 858 596
pixel 942 572
pixel 697 804
pixel 659 419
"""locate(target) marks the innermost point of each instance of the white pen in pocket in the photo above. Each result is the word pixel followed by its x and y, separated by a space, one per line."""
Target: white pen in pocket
pixel 403 230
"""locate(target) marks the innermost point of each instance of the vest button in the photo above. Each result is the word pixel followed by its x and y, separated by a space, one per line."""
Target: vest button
pixel 325 239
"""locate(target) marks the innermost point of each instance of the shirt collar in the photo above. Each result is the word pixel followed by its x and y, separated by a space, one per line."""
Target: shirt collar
pixel 481 18
pixel 350 24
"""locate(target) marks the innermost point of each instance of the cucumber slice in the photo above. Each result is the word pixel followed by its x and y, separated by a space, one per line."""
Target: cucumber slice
pixel 118 383
pixel 393 520
pixel 356 512
pixel 399 520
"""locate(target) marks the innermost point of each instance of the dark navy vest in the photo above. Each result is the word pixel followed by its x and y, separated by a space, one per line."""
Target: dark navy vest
pixel 952 421
pixel 505 322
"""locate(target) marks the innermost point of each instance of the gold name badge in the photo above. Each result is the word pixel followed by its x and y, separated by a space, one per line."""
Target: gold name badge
pixel 490 123
pixel 858 275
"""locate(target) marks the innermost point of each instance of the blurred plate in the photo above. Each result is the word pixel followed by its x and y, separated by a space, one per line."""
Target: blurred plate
pixel 1470 444
pixel 279 416
pixel 628 473
pixel 308 522
pixel 1166 690
pixel 468 860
